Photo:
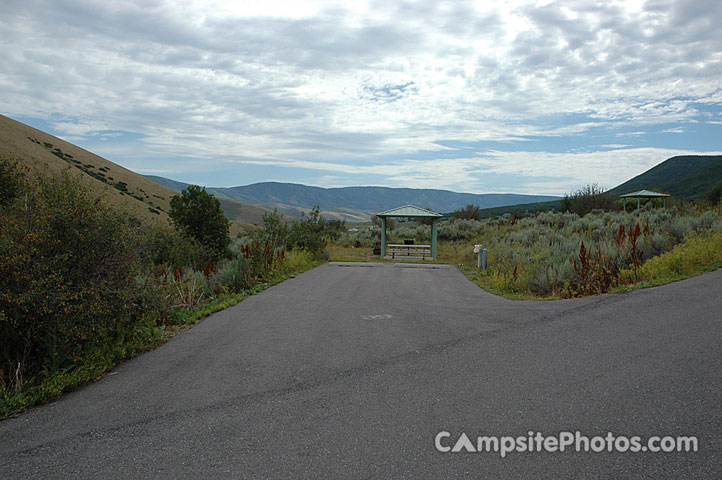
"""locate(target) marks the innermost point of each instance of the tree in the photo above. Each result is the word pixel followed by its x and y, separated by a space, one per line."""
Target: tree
pixel 198 214
pixel 469 212
pixel 588 198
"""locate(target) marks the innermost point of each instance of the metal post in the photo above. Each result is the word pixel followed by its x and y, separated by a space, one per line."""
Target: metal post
pixel 383 237
pixel 481 256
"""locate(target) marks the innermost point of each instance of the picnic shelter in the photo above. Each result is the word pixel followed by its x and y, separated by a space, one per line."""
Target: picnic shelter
pixel 644 194
pixel 409 211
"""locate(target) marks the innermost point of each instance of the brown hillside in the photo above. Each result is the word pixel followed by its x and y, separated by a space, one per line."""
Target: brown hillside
pixel 123 188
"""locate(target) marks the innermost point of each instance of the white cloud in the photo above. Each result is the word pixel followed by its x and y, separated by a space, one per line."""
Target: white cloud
pixel 79 129
pixel 304 84
pixel 607 168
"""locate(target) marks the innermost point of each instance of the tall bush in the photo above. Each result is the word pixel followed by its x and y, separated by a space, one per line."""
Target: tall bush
pixel 198 214
pixel 588 198
pixel 311 233
pixel 469 212
pixel 66 276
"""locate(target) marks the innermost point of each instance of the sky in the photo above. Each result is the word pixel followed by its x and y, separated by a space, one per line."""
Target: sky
pixel 539 97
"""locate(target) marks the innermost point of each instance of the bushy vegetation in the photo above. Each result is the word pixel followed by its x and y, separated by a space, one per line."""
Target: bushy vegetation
pixel 66 277
pixel 311 232
pixel 559 255
pixel 469 212
pixel 197 214
pixel 714 195
pixel 83 286
pixel 699 253
pixel 588 198
pixel 11 181
pixel 564 254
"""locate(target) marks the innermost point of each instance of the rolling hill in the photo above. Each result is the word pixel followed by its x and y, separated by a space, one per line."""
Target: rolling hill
pixel 687 178
pixel 361 202
pixel 122 188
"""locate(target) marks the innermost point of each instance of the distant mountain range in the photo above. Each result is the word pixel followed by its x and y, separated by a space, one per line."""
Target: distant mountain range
pixel 355 202
pixel 687 178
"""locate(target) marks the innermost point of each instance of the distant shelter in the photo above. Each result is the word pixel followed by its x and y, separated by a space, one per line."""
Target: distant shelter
pixel 644 194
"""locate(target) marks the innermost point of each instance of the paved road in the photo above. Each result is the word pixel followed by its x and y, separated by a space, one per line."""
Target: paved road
pixel 350 371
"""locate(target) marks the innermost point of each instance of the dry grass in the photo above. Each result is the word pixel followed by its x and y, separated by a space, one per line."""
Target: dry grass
pixel 447 252
pixel 340 253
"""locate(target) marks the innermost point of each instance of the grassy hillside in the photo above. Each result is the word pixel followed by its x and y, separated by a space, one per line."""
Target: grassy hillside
pixel 687 178
pixel 124 189
pixel 242 213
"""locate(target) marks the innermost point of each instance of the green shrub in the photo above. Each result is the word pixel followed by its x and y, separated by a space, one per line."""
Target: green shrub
pixel 459 229
pixel 235 274
pixel 167 247
pixel 298 261
pixel 368 237
pixel 11 181
pixel 310 233
pixel 198 214
pixel 66 276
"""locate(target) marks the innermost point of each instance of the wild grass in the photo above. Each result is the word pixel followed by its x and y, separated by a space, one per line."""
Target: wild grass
pixel 560 255
pixel 697 254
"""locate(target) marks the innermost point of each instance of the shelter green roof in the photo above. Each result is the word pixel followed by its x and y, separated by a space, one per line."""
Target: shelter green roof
pixel 645 194
pixel 409 211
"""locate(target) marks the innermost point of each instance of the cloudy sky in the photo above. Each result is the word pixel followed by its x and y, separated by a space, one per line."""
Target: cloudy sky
pixel 476 96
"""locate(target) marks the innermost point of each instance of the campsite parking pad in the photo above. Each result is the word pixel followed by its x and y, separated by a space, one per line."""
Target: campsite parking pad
pixel 350 370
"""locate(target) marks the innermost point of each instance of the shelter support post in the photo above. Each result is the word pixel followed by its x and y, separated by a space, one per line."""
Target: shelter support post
pixel 433 238
pixel 383 237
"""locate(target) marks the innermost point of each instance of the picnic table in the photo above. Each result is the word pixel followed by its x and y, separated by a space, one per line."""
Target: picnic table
pixel 422 251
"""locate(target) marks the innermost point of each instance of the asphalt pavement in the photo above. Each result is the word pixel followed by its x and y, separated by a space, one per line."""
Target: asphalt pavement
pixel 353 370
